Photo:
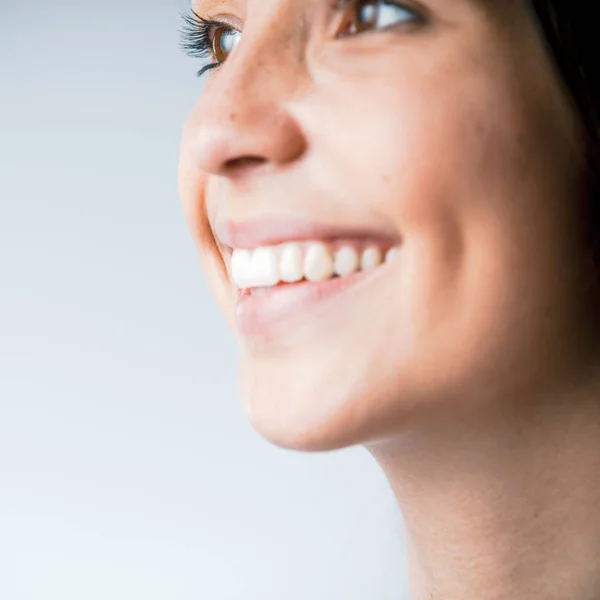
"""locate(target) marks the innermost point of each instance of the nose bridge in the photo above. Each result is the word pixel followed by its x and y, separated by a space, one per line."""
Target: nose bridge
pixel 271 51
pixel 243 109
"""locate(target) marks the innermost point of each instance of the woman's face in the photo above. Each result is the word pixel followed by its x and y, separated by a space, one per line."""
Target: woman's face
pixel 436 128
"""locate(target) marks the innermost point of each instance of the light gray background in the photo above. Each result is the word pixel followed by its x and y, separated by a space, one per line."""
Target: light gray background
pixel 127 468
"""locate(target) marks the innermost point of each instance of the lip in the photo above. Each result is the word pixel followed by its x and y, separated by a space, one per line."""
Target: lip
pixel 270 231
pixel 285 307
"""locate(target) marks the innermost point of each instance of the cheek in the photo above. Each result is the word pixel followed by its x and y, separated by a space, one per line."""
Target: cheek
pixel 462 163
pixel 412 157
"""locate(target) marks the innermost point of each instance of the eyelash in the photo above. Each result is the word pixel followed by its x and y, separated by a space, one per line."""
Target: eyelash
pixel 197 33
pixel 197 38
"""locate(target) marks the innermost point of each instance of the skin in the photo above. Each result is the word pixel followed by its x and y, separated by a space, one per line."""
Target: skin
pixel 469 368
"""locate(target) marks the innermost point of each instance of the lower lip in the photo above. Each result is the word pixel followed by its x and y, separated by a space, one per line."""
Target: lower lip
pixel 284 305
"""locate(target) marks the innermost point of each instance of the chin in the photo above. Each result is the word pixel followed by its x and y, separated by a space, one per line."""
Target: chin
pixel 312 404
pixel 301 413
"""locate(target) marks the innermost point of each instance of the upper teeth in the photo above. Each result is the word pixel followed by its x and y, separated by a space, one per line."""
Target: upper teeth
pixel 269 265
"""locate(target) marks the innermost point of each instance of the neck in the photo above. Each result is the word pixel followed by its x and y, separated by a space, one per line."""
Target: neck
pixel 505 505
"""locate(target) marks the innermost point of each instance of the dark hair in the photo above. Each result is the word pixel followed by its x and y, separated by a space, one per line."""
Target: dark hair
pixel 572 37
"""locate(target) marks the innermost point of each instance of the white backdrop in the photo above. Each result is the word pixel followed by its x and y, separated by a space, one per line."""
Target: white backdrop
pixel 127 468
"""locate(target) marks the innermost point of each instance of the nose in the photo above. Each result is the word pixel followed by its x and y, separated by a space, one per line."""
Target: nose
pixel 243 121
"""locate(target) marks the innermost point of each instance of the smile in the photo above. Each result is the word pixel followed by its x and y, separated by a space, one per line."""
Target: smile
pixel 285 273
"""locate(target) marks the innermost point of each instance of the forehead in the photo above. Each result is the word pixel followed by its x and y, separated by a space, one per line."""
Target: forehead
pixel 448 10
pixel 239 4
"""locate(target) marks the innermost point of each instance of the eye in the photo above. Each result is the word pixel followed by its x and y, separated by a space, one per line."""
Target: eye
pixel 367 15
pixel 208 38
pixel 224 42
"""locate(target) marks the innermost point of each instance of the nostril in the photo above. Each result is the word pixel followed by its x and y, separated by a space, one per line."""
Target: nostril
pixel 244 162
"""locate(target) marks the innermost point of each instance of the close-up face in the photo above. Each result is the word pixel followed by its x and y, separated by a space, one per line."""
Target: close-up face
pixel 386 200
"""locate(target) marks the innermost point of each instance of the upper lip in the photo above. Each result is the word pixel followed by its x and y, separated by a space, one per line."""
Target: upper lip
pixel 271 231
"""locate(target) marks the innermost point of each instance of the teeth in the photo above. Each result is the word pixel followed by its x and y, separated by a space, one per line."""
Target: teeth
pixel 318 263
pixel 371 258
pixel 241 268
pixel 346 261
pixel 391 254
pixel 290 263
pixel 267 266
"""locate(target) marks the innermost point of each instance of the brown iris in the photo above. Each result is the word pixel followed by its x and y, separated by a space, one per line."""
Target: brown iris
pixel 225 40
